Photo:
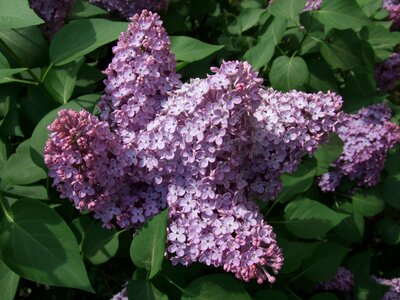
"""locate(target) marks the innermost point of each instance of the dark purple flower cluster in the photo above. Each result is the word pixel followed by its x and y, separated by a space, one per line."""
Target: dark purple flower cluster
pixel 127 8
pixel 393 7
pixel 205 147
pixel 367 137
pixel 394 284
pixel 387 74
pixel 53 12
pixel 343 282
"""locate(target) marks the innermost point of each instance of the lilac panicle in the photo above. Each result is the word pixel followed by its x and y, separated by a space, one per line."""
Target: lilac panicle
pixel 139 77
pixel 394 284
pixel 90 167
pixel 367 137
pixel 127 8
pixel 312 5
pixel 53 12
pixel 387 74
pixel 122 295
pixel 343 282
pixel 217 142
pixel 393 7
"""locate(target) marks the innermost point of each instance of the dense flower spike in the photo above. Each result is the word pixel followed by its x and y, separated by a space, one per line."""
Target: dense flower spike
pixel 127 8
pixel 219 140
pixel 343 282
pixel 387 74
pixel 90 167
pixel 394 291
pixel 393 7
pixel 367 137
pixel 139 77
pixel 53 12
pixel 313 5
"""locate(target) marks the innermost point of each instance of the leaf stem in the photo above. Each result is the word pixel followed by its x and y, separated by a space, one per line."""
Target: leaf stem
pixel 46 72
pixel 21 80
pixel 4 208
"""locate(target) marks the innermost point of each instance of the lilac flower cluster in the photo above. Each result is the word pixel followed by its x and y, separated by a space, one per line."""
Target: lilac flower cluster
pixel 387 74
pixel 205 147
pixel 122 295
pixel 312 5
pixel 53 12
pixel 80 151
pixel 393 7
pixel 343 282
pixel 219 141
pixel 367 137
pixel 127 8
pixel 394 284
pixel 139 76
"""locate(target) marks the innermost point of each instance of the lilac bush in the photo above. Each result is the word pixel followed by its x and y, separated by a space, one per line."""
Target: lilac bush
pixel 367 135
pixel 387 73
pixel 393 7
pixel 343 282
pixel 394 287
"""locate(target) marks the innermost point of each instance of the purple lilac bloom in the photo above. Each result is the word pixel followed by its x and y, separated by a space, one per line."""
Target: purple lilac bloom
pixel 139 77
pixel 387 74
pixel 53 12
pixel 217 141
pixel 312 5
pixel 393 7
pixel 343 282
pixel 367 135
pixel 127 8
pixel 122 295
pixel 394 284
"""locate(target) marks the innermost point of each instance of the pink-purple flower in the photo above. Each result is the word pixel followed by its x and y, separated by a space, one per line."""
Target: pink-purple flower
pixel 367 135
pixel 343 282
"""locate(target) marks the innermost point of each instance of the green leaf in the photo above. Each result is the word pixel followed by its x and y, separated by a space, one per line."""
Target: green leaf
pixel 35 191
pixel 16 14
pixel 352 228
pixel 29 47
pixel 324 296
pixel 10 124
pixel 83 9
pixel 40 133
pixel 260 54
pixel 249 17
pixel 4 64
pixel 325 262
pixel 8 282
pixel 36 244
pixel 6 74
pixel 341 14
pixel 270 294
pixel 295 253
pixel 274 31
pixel 322 77
pixel 148 246
pixel 19 169
pixel 215 287
pixel 328 153
pixel 144 290
pixel 344 51
pixel 391 190
pixel 368 202
pixel 288 73
pixel 100 244
pixel 80 37
pixel 289 9
pixel 308 219
pixel 381 39
pixel 80 226
pixel 60 81
pixel 389 230
pixel 298 182
pixel 189 49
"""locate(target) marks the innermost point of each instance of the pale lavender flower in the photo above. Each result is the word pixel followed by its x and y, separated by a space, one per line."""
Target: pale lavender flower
pixel 313 5
pixel 127 8
pixel 394 284
pixel 343 282
pixel 367 135
pixel 122 295
pixel 53 12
